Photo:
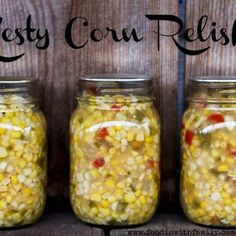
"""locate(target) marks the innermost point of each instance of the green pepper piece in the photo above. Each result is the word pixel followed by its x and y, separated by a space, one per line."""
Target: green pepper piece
pixel 98 144
pixel 139 115
pixel 92 204
pixel 205 140
pixel 196 204
pixel 81 119
pixel 132 187
pixel 214 172
pixel 113 222
pixel 206 143
pixel 121 206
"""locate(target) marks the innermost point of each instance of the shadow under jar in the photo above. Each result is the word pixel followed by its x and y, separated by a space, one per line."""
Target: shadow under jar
pixel 208 174
pixel 22 153
pixel 115 151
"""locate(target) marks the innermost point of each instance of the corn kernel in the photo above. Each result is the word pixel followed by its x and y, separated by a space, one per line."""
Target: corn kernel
pixel 14 179
pixel 15 134
pixel 115 163
pixel 104 211
pixel 18 147
pixel 22 163
pixel 3 152
pixel 130 197
pixel 110 182
pixel 130 136
pixel 149 139
pixel 120 100
pixel 118 128
pixel 112 150
pixel 222 168
pixel 9 198
pixel 138 193
pixel 2 131
pixel 3 204
pixel 94 173
pixel 227 201
pixel 27 192
pixel 124 216
pixel 94 211
pixel 111 131
pixel 111 199
pixel 142 200
pixel 96 197
pixel 140 137
pixel 121 184
pixel 200 212
pixel 1 177
pixel 225 195
pixel 203 204
pixel 104 203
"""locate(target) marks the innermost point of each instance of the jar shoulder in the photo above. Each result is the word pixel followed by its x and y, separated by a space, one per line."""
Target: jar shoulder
pixel 141 115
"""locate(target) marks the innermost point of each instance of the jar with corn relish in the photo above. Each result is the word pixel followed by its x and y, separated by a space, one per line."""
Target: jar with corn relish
pixel 208 174
pixel 22 153
pixel 115 151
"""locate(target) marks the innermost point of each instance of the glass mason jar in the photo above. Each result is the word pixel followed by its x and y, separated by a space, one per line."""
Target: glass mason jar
pixel 22 153
pixel 115 151
pixel 208 174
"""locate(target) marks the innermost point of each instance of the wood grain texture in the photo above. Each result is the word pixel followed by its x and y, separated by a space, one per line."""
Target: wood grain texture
pixel 59 67
pixel 162 224
pixel 219 59
pixel 61 224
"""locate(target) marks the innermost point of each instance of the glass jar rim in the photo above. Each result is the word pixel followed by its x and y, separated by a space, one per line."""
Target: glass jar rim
pixel 224 86
pixel 16 80
pixel 115 78
pixel 213 79
pixel 114 84
pixel 25 87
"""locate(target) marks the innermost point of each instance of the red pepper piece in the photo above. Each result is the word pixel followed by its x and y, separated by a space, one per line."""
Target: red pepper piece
pixel 151 163
pixel 216 118
pixel 231 150
pixel 92 90
pixel 99 162
pixel 115 107
pixel 189 137
pixel 102 133
pixel 233 153
pixel 200 105
pixel 202 101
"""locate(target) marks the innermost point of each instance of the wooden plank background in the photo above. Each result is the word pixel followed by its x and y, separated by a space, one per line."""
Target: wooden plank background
pixel 59 67
pixel 219 59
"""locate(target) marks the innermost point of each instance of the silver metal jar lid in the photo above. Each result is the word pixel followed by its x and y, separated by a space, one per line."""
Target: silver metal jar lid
pixel 213 79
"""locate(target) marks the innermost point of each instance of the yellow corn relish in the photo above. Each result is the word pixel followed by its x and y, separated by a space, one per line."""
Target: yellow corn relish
pixel 208 176
pixel 115 151
pixel 22 161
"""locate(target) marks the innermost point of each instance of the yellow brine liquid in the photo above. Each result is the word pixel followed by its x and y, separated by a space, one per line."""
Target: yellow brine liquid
pixel 115 157
pixel 208 175
pixel 22 156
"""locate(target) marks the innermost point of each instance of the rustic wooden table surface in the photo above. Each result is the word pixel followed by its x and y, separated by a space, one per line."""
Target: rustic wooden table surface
pixel 61 224
pixel 65 224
